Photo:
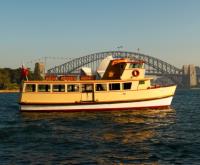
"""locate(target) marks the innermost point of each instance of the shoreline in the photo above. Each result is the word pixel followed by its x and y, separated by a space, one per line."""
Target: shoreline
pixel 9 91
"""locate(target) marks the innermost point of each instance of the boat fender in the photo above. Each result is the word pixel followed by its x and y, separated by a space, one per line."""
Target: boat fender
pixel 135 73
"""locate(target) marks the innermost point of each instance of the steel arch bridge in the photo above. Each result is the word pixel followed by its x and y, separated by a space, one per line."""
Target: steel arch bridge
pixel 154 66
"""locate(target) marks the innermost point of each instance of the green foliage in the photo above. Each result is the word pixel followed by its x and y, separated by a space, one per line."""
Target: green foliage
pixel 11 78
pixel 13 86
pixel 4 78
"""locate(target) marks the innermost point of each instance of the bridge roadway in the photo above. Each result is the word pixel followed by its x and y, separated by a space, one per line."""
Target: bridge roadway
pixel 153 65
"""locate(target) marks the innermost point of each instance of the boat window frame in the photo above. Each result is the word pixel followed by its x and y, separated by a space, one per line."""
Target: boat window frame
pixel 85 86
pixel 123 87
pixel 60 89
pixel 110 89
pixel 33 89
pixel 142 82
pixel 102 88
pixel 73 90
pixel 135 65
pixel 46 90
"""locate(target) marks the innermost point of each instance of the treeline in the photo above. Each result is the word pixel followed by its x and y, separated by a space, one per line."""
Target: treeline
pixel 11 78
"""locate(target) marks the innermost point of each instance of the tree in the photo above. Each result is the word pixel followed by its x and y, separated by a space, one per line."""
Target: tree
pixel 4 78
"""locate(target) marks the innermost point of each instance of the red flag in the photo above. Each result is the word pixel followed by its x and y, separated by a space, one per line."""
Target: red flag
pixel 24 72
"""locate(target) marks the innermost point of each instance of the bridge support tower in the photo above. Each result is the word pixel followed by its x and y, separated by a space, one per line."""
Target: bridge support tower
pixel 189 76
pixel 39 71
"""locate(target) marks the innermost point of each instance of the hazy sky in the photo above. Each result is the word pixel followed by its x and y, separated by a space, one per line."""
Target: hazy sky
pixel 166 29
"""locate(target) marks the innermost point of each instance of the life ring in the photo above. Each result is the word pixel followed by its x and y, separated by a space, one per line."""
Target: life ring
pixel 135 73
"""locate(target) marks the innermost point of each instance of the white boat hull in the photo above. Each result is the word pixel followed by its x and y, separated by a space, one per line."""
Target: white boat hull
pixel 156 103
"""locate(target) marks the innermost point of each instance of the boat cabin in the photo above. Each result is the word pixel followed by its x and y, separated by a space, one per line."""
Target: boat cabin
pixel 121 75
pixel 124 69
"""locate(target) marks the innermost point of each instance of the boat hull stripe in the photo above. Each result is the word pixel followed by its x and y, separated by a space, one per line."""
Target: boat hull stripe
pixel 159 103
pixel 93 103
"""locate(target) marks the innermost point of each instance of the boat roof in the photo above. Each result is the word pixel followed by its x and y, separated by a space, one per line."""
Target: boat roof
pixel 83 81
pixel 126 60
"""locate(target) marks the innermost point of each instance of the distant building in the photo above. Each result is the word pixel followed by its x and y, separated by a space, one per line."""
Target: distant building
pixel 39 71
pixel 198 74
pixel 189 76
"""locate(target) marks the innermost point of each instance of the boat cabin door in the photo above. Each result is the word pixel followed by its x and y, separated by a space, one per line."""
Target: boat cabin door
pixel 87 92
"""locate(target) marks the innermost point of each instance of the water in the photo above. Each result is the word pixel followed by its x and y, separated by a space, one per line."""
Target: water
pixel 170 136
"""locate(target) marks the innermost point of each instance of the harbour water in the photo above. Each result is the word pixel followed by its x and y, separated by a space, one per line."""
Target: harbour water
pixel 170 136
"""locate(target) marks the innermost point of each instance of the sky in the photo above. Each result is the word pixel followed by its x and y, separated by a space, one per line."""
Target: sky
pixel 32 29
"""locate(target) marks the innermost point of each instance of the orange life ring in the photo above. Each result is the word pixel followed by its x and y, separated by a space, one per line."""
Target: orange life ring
pixel 135 73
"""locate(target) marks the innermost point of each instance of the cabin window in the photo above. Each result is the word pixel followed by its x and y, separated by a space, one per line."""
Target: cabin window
pixel 59 88
pixel 44 88
pixel 132 65
pixel 101 87
pixel 73 88
pixel 114 86
pixel 87 87
pixel 30 88
pixel 141 82
pixel 127 86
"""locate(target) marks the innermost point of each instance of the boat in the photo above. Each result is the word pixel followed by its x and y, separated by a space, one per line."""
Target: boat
pixel 122 85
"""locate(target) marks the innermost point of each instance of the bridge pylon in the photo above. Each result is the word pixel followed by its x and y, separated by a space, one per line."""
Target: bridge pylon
pixel 189 76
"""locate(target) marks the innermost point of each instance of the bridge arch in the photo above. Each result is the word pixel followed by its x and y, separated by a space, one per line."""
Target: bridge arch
pixel 158 66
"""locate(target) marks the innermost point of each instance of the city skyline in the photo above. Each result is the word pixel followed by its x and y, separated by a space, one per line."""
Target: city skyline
pixel 168 30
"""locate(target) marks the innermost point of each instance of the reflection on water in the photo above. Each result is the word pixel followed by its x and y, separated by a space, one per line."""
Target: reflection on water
pixel 132 126
pixel 147 120
pixel 126 115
